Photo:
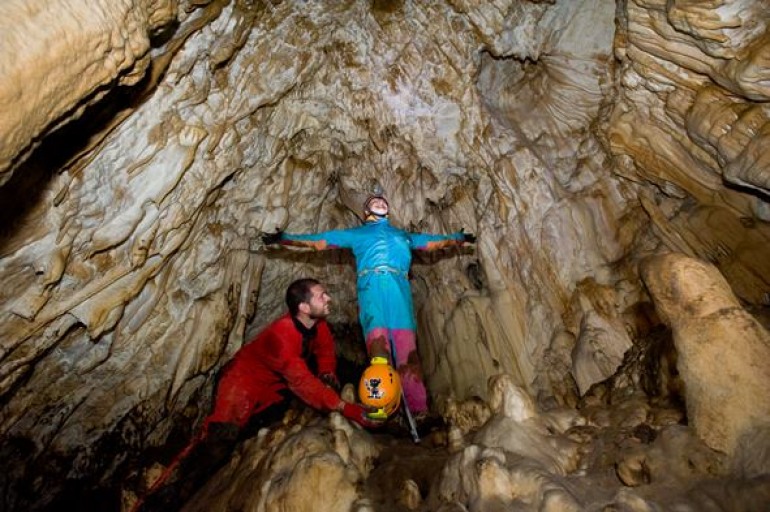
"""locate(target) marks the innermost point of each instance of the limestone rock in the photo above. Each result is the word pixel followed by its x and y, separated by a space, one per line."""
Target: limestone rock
pixel 599 350
pixel 466 415
pixel 673 458
pixel 146 144
pixel 692 116
pixel 752 454
pixel 603 334
pixel 513 458
pixel 315 468
pixel 410 495
pixel 70 65
pixel 517 428
pixel 560 386
pixel 722 350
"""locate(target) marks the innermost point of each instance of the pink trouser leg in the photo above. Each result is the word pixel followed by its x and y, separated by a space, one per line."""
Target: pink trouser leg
pixel 407 363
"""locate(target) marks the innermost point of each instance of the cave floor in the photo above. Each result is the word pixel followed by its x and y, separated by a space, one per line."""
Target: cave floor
pixel 401 460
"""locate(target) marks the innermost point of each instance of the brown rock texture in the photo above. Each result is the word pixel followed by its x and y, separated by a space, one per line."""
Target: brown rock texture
pixel 146 145
pixel 59 57
pixel 722 350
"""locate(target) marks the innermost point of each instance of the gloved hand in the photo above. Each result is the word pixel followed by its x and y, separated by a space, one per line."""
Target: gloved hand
pixel 330 380
pixel 272 238
pixel 468 238
pixel 357 413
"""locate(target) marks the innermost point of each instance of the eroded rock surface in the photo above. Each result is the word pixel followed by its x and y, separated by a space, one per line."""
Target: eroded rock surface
pixel 299 467
pixel 526 459
pixel 59 57
pixel 691 116
pixel 722 350
pixel 573 137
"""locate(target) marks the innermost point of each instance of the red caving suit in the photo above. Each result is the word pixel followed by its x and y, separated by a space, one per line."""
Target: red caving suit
pixel 261 371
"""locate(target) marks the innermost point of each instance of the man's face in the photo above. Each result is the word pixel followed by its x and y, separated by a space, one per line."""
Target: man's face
pixel 378 206
pixel 319 302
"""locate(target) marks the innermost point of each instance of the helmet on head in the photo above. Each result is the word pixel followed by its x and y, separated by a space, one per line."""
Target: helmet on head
pixel 371 198
pixel 380 387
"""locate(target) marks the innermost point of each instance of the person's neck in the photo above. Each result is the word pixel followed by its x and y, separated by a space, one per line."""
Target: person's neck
pixel 373 217
pixel 306 320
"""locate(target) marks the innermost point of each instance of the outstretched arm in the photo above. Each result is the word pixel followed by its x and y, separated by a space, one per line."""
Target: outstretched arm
pixel 312 390
pixel 341 238
pixel 430 242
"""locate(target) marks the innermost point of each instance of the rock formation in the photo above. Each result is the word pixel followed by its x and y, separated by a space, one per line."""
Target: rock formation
pixel 301 467
pixel 722 349
pixel 147 144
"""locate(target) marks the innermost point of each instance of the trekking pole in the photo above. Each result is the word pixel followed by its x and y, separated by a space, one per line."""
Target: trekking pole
pixel 407 412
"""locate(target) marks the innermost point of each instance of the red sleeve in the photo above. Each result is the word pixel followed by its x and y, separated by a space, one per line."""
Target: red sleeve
pixel 298 376
pixel 323 347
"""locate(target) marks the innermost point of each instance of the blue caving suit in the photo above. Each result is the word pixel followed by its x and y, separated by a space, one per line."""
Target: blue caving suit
pixel 383 257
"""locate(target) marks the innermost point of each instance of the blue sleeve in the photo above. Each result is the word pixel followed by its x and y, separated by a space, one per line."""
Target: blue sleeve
pixel 429 242
pixel 342 238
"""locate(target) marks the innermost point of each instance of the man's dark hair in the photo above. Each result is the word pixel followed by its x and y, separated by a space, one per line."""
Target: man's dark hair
pixel 299 292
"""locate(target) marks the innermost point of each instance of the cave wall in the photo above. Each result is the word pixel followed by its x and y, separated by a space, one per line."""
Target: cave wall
pixel 690 119
pixel 59 57
pixel 573 138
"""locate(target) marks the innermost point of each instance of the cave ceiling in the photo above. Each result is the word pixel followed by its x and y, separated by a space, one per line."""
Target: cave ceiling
pixel 148 143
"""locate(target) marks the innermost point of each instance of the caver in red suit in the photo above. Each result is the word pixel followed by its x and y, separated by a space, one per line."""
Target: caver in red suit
pixel 278 360
pixel 253 389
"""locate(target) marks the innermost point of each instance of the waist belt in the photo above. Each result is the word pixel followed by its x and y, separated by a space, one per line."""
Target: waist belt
pixel 384 270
